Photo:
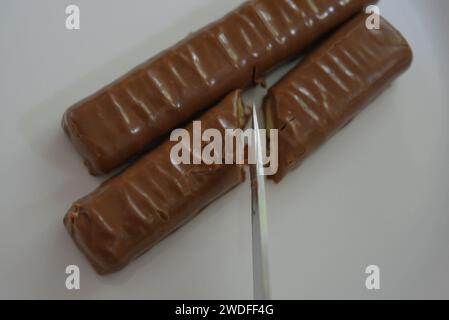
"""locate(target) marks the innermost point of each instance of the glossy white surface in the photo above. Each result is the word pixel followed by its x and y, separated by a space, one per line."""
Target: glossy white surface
pixel 375 194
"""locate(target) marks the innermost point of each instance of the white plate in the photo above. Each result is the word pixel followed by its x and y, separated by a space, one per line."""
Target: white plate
pixel 377 194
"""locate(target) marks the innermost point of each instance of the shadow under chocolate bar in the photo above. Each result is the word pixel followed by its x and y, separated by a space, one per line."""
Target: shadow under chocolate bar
pixel 132 212
pixel 331 86
pixel 123 119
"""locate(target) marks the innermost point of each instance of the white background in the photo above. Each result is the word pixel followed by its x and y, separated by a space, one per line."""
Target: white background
pixel 375 194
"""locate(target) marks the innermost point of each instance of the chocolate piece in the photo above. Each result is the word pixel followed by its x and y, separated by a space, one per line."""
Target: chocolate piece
pixel 129 214
pixel 330 87
pixel 121 120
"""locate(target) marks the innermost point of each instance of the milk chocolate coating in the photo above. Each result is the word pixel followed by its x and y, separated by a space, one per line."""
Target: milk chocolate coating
pixel 122 119
pixel 129 214
pixel 330 87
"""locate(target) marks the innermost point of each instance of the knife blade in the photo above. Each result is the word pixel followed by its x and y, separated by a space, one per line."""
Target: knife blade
pixel 259 218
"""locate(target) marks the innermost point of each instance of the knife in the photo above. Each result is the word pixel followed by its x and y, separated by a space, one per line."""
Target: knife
pixel 259 217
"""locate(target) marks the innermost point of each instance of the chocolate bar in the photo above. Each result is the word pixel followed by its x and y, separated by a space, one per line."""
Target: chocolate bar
pixel 331 86
pixel 128 116
pixel 132 212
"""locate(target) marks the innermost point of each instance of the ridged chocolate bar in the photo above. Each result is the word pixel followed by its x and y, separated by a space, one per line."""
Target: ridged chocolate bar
pixel 330 87
pixel 126 117
pixel 132 212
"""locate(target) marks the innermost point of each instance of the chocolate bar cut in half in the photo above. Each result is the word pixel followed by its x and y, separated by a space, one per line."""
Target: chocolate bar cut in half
pixel 331 86
pixel 130 213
